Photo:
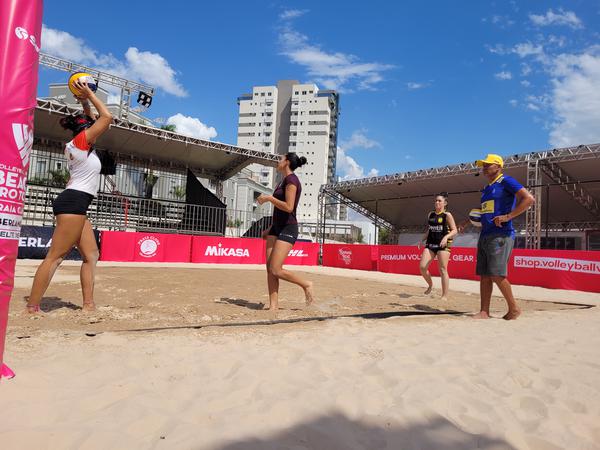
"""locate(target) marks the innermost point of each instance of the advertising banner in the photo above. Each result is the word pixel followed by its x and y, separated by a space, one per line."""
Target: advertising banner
pixel 20 33
pixel 208 249
pixel 348 256
pixel 34 243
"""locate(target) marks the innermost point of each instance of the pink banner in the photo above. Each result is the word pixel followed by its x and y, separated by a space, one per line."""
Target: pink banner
pixel 156 247
pixel 360 257
pixel 405 260
pixel 145 247
pixel 303 254
pixel 20 32
pixel 206 249
pixel 117 246
pixel 556 269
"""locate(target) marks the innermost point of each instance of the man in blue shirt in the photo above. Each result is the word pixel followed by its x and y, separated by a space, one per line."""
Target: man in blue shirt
pixel 503 199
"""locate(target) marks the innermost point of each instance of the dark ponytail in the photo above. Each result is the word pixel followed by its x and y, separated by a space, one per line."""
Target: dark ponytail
pixel 295 160
pixel 444 195
pixel 76 123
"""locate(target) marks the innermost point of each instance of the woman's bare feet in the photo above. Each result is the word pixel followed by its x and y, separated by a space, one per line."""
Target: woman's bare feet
pixel 512 315
pixel 309 294
pixel 33 309
pixel 88 306
pixel 429 289
pixel 444 298
pixel 481 315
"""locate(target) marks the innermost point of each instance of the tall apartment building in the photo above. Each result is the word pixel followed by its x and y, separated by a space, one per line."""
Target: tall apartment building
pixel 293 117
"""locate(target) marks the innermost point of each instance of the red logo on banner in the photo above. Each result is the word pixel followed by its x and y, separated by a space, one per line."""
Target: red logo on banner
pixel 148 246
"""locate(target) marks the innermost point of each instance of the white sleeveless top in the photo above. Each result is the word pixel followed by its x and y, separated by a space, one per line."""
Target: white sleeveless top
pixel 84 168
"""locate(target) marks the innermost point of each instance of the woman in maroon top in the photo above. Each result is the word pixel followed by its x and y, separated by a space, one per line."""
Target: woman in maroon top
pixel 283 232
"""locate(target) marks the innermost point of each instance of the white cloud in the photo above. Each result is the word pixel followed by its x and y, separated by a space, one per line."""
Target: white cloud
pixel 333 70
pixel 290 14
pixel 497 49
pixel 576 99
pixel 504 75
pixel 64 45
pixel 525 69
pixel 500 21
pixel 144 66
pixel 562 17
pixel 526 49
pixel 414 85
pixel 349 169
pixel 538 102
pixel 359 139
pixel 558 41
pixel 191 126
pixel 513 102
pixel 153 69
pixel 525 83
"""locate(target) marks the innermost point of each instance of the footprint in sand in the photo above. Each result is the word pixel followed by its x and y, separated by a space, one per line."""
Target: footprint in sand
pixel 552 383
pixel 533 408
pixel 576 407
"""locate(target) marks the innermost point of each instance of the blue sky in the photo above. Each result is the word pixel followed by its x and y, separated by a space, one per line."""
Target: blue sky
pixel 423 84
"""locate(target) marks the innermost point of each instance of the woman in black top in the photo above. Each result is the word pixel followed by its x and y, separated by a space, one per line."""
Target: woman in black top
pixel 283 232
pixel 441 228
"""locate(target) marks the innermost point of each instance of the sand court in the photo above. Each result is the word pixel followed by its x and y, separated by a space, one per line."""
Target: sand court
pixel 210 372
pixel 148 297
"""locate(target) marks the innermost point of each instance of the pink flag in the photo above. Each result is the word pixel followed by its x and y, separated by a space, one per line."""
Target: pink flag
pixel 20 33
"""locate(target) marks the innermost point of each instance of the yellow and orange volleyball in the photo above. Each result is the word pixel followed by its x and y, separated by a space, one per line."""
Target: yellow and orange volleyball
pixel 85 77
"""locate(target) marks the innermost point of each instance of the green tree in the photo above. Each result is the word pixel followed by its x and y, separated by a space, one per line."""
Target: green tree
pixel 150 181
pixel 385 237
pixel 178 192
pixel 231 223
pixel 59 177
pixel 171 127
pixel 360 239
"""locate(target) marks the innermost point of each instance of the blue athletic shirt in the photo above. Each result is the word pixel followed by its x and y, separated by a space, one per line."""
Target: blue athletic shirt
pixel 498 198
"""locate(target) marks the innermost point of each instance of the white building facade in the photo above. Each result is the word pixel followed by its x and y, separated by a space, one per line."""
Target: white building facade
pixel 293 117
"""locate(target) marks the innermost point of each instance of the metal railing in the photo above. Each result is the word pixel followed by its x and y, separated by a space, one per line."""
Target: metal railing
pixel 129 213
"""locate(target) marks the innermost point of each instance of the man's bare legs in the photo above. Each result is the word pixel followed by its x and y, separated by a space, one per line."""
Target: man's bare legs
pixel 486 285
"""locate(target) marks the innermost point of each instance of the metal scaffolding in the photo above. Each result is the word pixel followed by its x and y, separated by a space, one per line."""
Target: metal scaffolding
pixel 555 155
pixel 533 216
pixel 570 185
pixel 126 86
pixel 165 135
pixel 543 170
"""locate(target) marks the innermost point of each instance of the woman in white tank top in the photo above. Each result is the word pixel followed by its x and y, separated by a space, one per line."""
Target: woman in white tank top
pixel 70 207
